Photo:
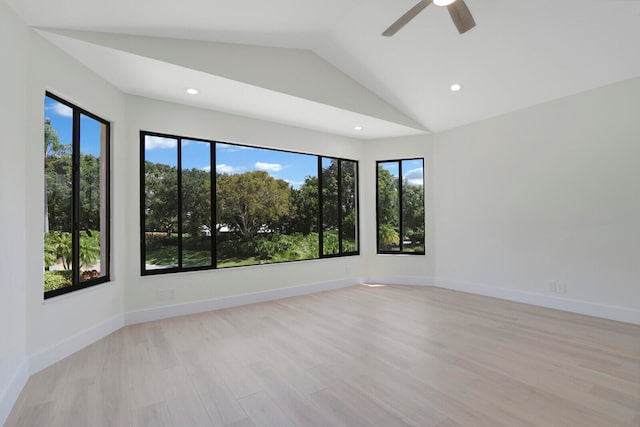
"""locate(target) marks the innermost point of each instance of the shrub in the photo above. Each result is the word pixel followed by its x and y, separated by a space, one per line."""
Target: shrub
pixel 57 279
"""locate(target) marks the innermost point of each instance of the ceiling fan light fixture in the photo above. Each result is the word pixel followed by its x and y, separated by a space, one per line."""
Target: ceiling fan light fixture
pixel 443 2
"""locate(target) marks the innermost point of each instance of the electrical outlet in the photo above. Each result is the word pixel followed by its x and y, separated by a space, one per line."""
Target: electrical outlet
pixel 562 287
pixel 557 287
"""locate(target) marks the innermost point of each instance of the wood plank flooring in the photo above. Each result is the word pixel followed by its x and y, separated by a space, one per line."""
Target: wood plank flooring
pixel 360 356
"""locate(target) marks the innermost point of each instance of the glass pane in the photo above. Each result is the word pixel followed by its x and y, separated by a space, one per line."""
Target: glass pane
pixel 258 192
pixel 58 128
pixel 388 206
pixel 196 203
pixel 413 205
pixel 349 202
pixel 161 202
pixel 93 246
pixel 330 209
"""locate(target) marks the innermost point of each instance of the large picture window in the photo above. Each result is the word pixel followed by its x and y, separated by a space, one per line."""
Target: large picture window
pixel 207 204
pixel 400 206
pixel 76 217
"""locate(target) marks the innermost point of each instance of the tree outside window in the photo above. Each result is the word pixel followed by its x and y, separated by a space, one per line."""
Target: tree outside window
pixel 400 206
pixel 76 216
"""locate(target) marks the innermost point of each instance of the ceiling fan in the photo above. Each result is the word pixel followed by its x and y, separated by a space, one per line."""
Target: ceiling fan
pixel 457 9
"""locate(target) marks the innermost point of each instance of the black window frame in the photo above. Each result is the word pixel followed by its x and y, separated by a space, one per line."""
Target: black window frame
pixel 341 250
pixel 106 227
pixel 401 250
pixel 214 258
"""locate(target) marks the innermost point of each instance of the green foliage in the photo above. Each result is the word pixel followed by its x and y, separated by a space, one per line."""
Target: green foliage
pixel 388 236
pixel 349 245
pixel 89 248
pixel 58 237
pixel 267 247
pixel 413 215
pixel 196 201
pixel 161 197
pixel 268 221
pixel 349 226
pixel 305 201
pixel 330 242
pixel 388 202
pixel 252 201
pixel 58 247
pixel 57 279
pixel 58 181
pixel 89 192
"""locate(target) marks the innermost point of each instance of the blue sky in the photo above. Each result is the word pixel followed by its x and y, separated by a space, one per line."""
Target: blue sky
pixel 231 159
pixel 61 117
pixel 412 170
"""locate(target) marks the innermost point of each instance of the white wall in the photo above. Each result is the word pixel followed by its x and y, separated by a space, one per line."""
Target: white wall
pixel 13 83
pixel 58 326
pixel 545 194
pixel 549 193
pixel 403 269
pixel 143 292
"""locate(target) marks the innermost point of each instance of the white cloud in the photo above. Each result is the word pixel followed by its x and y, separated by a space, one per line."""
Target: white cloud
pixel 228 148
pixel 207 168
pixel 60 109
pixel 270 167
pixel 222 168
pixel 157 142
pixel 415 177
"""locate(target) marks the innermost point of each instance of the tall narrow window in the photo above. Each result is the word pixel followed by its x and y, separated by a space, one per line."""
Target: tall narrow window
pixel 400 206
pixel 330 207
pixel 160 192
pixel 197 221
pixel 339 206
pixel 76 218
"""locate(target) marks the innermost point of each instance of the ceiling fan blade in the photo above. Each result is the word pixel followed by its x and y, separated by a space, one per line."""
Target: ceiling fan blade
pixel 404 19
pixel 461 16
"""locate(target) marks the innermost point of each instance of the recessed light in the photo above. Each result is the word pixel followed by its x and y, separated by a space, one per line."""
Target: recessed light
pixel 192 91
pixel 455 87
pixel 443 2
pixel 358 128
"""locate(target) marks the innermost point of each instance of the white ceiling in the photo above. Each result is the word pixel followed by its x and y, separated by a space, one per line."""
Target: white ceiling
pixel 521 53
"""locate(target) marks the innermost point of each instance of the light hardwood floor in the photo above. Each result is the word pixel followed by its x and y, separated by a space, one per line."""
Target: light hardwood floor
pixel 360 356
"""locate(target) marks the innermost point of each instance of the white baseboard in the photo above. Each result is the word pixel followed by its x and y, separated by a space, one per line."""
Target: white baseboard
pixel 82 339
pixel 158 313
pixel 400 280
pixel 11 391
pixel 621 314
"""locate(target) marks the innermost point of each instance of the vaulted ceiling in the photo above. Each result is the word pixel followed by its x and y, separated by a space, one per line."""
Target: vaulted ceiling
pixel 324 65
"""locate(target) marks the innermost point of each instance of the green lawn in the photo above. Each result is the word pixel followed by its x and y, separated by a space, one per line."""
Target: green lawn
pixel 267 250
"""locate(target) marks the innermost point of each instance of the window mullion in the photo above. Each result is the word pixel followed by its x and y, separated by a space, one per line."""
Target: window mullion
pixel 75 190
pixel 213 194
pixel 340 249
pixel 179 181
pixel 400 207
pixel 320 209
